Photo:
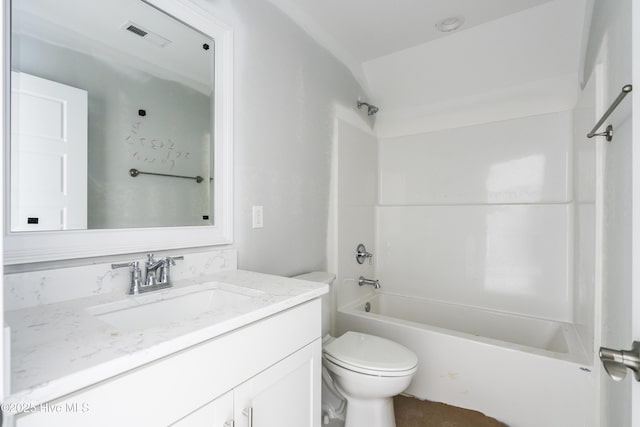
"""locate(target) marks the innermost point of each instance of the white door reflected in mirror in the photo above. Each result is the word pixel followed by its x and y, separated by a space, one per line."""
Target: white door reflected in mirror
pixel 48 155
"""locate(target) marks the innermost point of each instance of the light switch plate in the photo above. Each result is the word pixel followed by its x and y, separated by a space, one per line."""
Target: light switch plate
pixel 257 217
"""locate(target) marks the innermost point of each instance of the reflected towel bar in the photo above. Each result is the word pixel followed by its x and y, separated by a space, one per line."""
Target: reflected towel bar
pixel 135 172
pixel 608 133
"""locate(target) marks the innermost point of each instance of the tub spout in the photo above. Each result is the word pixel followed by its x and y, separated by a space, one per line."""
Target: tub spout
pixel 375 283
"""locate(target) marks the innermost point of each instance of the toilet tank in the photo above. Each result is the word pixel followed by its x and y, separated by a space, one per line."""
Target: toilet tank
pixel 326 299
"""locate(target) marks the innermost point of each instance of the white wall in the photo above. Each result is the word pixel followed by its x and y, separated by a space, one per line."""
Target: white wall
pixel 4 347
pixel 287 92
pixel 610 44
pixel 480 215
pixel 635 319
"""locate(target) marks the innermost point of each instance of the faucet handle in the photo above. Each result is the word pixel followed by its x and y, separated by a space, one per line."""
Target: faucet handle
pixel 135 265
pixel 150 259
pixel 172 259
pixel 362 254
pixel 136 275
pixel 164 268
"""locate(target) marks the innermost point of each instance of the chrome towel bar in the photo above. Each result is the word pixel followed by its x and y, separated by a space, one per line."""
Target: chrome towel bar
pixel 608 133
pixel 135 172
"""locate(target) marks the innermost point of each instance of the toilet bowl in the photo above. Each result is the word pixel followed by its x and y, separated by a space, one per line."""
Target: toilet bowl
pixel 369 371
pixel 365 370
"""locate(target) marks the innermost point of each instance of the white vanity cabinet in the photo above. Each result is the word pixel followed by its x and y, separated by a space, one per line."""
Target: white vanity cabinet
pixel 269 369
pixel 284 395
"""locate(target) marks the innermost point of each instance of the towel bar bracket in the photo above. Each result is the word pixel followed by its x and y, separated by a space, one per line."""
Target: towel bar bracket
pixel 608 133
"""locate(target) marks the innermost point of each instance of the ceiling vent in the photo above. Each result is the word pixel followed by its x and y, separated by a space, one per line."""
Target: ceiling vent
pixel 139 31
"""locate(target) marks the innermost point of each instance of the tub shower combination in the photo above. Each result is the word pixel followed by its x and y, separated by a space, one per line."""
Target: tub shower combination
pixel 481 359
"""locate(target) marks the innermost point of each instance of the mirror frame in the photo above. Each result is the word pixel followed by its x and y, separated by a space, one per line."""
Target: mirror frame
pixel 26 247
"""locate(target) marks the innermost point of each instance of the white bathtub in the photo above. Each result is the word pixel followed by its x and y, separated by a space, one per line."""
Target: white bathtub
pixel 523 371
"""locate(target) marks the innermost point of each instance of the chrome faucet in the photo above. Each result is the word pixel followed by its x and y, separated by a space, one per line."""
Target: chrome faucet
pixel 152 266
pixel 375 283
pixel 157 274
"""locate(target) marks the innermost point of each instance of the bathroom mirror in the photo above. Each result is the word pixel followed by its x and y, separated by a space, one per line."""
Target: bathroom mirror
pixel 120 118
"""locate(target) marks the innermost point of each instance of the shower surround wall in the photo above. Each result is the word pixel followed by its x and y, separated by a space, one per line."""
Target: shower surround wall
pixel 475 171
pixel 480 215
pixel 354 191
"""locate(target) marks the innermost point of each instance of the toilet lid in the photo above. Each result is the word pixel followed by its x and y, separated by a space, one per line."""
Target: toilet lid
pixel 357 351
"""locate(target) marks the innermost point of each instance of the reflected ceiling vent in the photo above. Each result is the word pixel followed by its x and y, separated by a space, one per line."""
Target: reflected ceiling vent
pixel 153 38
pixel 450 24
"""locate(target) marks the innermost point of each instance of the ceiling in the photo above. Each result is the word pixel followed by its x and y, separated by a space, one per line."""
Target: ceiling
pixel 96 28
pixel 509 58
pixel 357 31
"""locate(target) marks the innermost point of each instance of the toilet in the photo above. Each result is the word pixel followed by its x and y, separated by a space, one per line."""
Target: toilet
pixel 364 370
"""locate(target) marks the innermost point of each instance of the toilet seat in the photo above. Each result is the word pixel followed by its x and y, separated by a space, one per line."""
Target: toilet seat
pixel 371 355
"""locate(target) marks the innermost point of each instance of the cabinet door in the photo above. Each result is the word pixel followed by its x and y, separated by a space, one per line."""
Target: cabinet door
pixel 218 413
pixel 285 395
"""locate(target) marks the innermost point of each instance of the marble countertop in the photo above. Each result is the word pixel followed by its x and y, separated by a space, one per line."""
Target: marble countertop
pixel 60 348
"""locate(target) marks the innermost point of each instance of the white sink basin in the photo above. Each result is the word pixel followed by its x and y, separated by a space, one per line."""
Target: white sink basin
pixel 161 308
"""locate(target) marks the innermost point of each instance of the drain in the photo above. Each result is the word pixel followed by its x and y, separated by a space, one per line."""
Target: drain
pixel 367 307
